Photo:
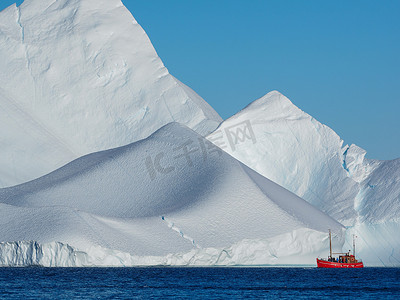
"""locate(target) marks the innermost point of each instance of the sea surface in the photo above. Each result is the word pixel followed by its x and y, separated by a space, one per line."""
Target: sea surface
pixel 199 283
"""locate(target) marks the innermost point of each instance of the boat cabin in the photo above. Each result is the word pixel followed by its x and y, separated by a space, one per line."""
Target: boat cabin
pixel 347 258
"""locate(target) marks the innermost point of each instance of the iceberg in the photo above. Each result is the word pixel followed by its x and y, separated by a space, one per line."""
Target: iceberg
pixel 170 199
pixel 78 77
pixel 285 144
pixel 104 161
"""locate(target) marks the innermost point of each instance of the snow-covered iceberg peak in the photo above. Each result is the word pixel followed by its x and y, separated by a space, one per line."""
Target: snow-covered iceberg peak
pixel 277 102
pixel 80 76
pixel 170 193
pixel 285 144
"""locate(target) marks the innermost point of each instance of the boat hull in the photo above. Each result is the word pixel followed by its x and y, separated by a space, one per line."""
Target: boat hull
pixel 330 264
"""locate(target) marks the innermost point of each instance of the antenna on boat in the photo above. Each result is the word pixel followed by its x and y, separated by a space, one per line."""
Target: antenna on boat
pixel 330 243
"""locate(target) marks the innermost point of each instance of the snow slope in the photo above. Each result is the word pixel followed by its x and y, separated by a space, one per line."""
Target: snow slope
pixel 172 198
pixel 285 144
pixel 80 76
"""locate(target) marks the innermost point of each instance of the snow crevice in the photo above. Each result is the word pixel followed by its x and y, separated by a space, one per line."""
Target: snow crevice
pixel 344 160
pixel 178 230
pixel 28 61
pixel 20 25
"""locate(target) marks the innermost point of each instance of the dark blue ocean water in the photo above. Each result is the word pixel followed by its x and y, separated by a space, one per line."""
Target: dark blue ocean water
pixel 209 283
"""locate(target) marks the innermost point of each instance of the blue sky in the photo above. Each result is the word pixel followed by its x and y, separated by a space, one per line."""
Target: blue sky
pixel 337 60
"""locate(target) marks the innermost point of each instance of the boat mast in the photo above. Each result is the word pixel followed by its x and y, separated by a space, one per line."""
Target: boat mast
pixel 330 243
pixel 354 244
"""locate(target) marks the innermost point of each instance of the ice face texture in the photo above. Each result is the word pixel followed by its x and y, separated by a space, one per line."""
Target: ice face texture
pixel 78 77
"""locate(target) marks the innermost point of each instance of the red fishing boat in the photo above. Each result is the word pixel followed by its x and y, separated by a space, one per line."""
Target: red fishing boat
pixel 344 260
